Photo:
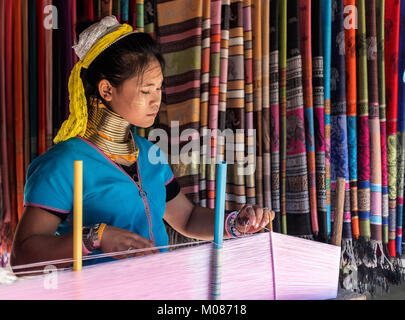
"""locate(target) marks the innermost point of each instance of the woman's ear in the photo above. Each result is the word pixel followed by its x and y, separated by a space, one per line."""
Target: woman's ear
pixel 105 90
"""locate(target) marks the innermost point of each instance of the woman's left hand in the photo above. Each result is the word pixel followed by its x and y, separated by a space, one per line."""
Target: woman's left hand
pixel 252 218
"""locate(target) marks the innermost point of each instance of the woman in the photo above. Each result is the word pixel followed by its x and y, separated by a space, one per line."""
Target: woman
pixel 114 88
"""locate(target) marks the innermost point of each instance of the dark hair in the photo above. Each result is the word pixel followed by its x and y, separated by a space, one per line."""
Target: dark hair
pixel 124 59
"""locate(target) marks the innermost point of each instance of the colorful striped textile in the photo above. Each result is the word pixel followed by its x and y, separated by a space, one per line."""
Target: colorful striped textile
pixel 181 98
pixel 339 147
pixel 235 113
pixel 327 47
pixel 297 197
pixel 306 51
pixel 215 50
pixel 392 18
pixel 319 115
pixel 401 129
pixel 274 113
pixel 266 159
pixel 380 9
pixel 179 34
pixel 351 111
pixel 249 126
pixel 363 125
pixel 205 69
pixel 257 96
pixel 223 79
pixel 283 111
pixel 374 124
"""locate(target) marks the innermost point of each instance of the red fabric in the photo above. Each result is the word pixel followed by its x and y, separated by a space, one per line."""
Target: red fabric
pixel 41 77
pixel 132 13
pixel 12 217
pixel 392 11
pixel 392 21
pixel 18 105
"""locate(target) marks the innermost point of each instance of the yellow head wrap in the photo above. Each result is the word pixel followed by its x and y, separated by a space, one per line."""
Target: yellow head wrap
pixel 76 124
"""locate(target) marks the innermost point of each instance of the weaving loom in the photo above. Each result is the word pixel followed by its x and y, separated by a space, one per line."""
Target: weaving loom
pixel 281 267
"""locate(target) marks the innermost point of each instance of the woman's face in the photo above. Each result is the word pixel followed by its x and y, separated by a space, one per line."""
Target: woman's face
pixel 138 99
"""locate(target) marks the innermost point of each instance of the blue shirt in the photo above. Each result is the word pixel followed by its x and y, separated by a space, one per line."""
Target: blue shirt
pixel 110 195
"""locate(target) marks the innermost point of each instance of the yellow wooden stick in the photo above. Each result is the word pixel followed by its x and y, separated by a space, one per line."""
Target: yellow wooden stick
pixel 77 215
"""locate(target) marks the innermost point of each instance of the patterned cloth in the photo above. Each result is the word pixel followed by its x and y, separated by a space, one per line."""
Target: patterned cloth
pixel 306 51
pixel 401 128
pixel 235 112
pixel 274 113
pixel 319 115
pixel 249 125
pixel 257 96
pixel 339 147
pixel 374 124
pixel 380 6
pixel 265 23
pixel 392 15
pixel 351 103
pixel 327 47
pixel 297 197
pixel 215 50
pixel 363 126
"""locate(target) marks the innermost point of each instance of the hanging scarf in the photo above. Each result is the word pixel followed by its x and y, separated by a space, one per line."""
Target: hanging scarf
pixel 257 96
pixel 351 103
pixel 124 11
pixel 339 147
pixel 327 45
pixel 18 106
pixel 149 16
pixel 306 50
pixel 363 126
pixel 392 15
pixel 274 113
pixel 265 25
pixel 235 112
pixel 401 129
pixel 248 70
pixel 76 123
pixel 319 115
pixel 374 125
pixel 25 72
pixel 205 69
pixel 297 197
pixel 116 9
pixel 214 98
pixel 106 8
pixel 380 5
pixel 283 112
pixel 33 85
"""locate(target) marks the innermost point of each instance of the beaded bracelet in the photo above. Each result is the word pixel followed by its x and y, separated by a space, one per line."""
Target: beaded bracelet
pixel 230 227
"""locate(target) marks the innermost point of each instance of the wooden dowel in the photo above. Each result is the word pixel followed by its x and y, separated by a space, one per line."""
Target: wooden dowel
pixel 339 208
pixel 77 215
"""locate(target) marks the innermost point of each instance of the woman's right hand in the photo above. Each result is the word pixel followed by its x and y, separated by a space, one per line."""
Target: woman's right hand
pixel 116 239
